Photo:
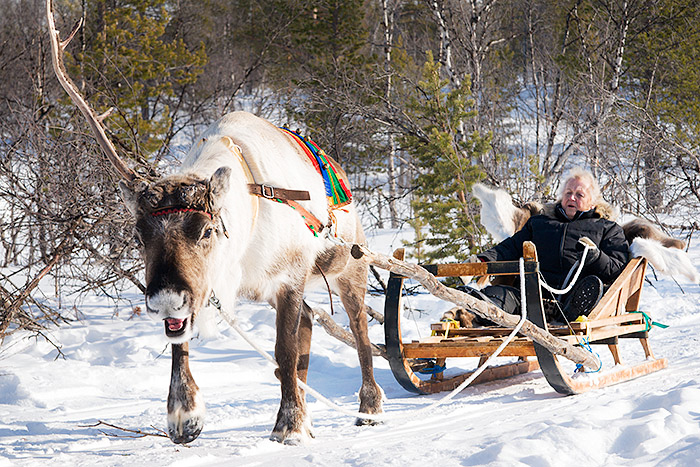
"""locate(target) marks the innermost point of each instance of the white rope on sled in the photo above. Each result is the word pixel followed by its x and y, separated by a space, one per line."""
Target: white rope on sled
pixel 580 263
pixel 394 416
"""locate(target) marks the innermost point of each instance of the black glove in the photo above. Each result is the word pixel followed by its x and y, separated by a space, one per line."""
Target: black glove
pixel 593 252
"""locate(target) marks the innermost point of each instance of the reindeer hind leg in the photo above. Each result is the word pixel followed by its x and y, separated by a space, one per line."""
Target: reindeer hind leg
pixel 352 285
pixel 305 331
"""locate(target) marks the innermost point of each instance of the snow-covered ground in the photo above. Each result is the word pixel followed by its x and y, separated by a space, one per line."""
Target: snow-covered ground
pixel 115 368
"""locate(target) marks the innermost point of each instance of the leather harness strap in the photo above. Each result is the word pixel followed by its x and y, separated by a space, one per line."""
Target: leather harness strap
pixel 236 151
pixel 281 195
pixel 289 198
pixel 312 221
pixel 270 192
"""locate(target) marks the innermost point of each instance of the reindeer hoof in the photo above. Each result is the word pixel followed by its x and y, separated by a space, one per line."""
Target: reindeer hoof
pixel 292 434
pixel 371 397
pixel 185 425
pixel 367 422
pixel 186 432
pixel 289 441
pixel 277 437
pixel 295 439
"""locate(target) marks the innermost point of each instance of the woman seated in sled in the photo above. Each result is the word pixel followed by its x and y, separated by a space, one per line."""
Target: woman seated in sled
pixel 579 212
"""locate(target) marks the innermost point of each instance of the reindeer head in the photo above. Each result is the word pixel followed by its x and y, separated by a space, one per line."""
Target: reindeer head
pixel 178 228
pixel 177 219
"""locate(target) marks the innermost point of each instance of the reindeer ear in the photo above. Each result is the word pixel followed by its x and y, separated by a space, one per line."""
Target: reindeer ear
pixel 218 185
pixel 133 192
pixel 129 196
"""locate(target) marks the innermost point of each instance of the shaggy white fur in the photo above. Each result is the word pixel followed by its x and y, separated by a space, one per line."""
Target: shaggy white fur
pixel 497 211
pixel 671 261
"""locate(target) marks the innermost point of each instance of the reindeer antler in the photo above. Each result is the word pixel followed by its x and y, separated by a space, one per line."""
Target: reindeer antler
pixel 57 48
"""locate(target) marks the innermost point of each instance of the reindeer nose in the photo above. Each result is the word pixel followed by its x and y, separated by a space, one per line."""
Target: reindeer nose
pixel 165 301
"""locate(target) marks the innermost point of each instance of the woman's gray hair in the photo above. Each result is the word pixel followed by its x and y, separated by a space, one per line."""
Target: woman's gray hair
pixel 584 175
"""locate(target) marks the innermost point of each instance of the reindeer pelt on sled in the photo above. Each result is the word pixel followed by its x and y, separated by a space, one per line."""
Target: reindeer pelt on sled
pixel 499 215
pixel 645 229
pixel 501 219
pixel 666 260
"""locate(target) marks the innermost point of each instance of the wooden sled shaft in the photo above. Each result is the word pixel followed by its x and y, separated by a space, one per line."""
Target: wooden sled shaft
pixel 401 367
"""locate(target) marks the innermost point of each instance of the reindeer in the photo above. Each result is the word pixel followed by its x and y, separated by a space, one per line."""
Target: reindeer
pixel 216 226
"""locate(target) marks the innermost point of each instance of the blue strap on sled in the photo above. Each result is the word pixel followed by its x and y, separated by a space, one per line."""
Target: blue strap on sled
pixel 433 369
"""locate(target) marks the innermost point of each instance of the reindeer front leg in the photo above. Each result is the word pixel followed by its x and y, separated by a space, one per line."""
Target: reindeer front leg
pixel 293 425
pixel 185 404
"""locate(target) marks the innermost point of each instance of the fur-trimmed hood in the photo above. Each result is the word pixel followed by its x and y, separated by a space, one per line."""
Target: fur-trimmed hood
pixel 604 209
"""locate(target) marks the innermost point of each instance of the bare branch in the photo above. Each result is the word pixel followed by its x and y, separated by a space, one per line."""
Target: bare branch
pixel 135 433
pixel 332 328
pixel 57 47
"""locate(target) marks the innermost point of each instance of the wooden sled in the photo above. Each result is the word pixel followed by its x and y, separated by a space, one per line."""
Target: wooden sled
pixel 614 317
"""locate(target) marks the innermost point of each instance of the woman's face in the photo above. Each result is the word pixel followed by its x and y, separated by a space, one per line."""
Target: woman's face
pixel 576 197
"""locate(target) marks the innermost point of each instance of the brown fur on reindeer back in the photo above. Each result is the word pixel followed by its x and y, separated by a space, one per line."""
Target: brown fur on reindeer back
pixel 526 211
pixel 645 229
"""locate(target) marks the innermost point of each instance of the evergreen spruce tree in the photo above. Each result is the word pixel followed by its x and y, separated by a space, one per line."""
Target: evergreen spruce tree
pixel 448 164
pixel 327 63
pixel 664 80
pixel 127 64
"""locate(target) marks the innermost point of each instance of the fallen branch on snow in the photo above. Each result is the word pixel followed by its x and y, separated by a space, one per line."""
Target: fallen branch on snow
pixel 334 330
pixel 133 433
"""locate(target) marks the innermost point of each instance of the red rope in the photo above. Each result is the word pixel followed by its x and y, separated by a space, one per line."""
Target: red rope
pixel 166 211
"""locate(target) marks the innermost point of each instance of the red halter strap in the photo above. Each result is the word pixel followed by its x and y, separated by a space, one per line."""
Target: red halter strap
pixel 173 210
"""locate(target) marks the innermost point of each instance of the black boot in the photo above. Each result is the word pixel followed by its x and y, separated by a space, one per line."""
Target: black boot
pixel 583 298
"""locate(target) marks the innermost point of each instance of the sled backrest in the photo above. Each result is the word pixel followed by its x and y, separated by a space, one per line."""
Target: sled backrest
pixel 621 297
pixel 624 294
pixel 491 268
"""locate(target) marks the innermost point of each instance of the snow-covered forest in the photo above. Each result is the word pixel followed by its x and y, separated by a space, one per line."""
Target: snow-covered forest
pixel 418 100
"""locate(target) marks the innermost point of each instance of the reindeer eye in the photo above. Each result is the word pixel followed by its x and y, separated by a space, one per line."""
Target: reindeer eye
pixel 207 233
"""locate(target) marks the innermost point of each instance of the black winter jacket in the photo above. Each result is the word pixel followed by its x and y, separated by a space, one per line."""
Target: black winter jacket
pixel 555 237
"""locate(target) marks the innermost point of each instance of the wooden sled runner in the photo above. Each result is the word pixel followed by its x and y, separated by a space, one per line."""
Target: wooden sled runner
pixel 614 317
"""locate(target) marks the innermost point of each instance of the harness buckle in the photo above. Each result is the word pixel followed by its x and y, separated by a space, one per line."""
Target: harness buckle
pixel 267 191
